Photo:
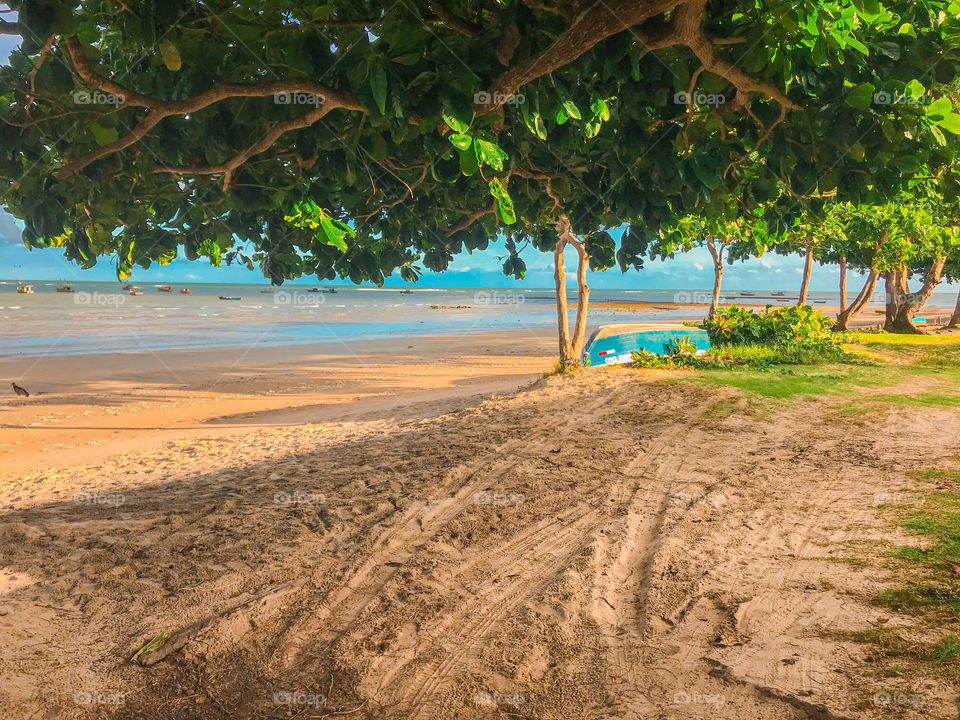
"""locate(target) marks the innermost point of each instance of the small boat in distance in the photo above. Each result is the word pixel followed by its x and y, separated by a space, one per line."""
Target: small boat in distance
pixel 406 291
pixel 268 292
pixel 332 290
pixel 24 289
pixel 225 297
pixel 164 288
pixel 136 290
pixel 184 291
pixel 127 286
pixel 315 289
pixel 65 287
pixel 615 344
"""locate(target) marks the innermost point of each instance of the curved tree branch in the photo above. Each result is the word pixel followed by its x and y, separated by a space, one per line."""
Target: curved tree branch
pixel 229 167
pixel 159 109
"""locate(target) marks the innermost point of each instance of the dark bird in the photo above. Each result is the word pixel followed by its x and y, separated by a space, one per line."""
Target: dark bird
pixel 20 391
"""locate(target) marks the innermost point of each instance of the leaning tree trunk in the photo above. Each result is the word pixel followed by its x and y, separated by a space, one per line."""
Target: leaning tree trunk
pixel 955 318
pixel 717 275
pixel 843 283
pixel 862 300
pixel 571 348
pixel 902 304
pixel 807 271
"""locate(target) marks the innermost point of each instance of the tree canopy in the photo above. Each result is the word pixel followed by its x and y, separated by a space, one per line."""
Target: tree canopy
pixel 359 139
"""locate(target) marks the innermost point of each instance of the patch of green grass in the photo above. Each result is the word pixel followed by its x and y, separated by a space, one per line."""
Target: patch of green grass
pixel 918 599
pixel 936 516
pixel 920 400
pixel 933 351
pixel 893 644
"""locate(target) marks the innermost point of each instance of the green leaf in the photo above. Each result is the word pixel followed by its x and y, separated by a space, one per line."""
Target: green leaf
pixel 951 123
pixel 461 141
pixel 104 135
pixel 333 232
pixel 907 29
pixel 489 153
pixel 378 86
pixel 600 109
pixel 171 56
pixel 861 97
pixel 561 117
pixel 571 109
pixel 455 124
pixel 938 109
pixel 504 202
pixel 468 163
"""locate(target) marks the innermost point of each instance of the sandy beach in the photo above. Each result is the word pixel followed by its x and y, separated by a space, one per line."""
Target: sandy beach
pixel 442 532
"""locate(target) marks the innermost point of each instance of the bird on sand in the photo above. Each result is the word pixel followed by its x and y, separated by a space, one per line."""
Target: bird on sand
pixel 19 390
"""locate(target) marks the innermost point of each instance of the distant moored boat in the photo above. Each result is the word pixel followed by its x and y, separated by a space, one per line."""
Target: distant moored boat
pixel 184 291
pixel 164 288
pixel 226 297
pixel 24 289
pixel 65 287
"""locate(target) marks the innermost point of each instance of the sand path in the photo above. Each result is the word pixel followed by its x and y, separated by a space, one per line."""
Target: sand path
pixel 605 545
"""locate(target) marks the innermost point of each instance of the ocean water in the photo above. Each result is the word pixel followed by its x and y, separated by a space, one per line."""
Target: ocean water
pixel 99 317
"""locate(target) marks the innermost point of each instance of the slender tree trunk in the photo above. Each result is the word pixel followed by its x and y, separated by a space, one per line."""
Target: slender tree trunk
pixel 843 283
pixel 955 318
pixel 717 275
pixel 571 349
pixel 861 301
pixel 807 271
pixel 902 304
pixel 560 281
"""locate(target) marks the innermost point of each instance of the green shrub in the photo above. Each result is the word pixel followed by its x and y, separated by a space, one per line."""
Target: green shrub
pixel 783 327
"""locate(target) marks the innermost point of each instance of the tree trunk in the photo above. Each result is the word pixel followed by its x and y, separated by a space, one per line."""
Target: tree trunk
pixel 843 283
pixel 807 271
pixel 571 349
pixel 861 301
pixel 955 318
pixel 902 304
pixel 560 281
pixel 717 275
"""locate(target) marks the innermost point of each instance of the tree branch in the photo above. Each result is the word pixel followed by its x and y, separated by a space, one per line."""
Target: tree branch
pixel 471 219
pixel 159 109
pixel 587 29
pixel 229 167
pixel 445 17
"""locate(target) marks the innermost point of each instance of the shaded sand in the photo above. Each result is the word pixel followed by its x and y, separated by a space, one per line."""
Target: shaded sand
pixel 604 545
pixel 84 408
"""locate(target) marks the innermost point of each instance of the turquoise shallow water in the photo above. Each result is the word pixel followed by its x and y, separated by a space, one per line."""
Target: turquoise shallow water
pixel 99 317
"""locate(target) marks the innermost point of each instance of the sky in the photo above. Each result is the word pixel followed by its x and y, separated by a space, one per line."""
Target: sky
pixel 691 271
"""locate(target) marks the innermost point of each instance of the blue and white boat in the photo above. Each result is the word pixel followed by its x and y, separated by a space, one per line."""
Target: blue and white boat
pixel 615 344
